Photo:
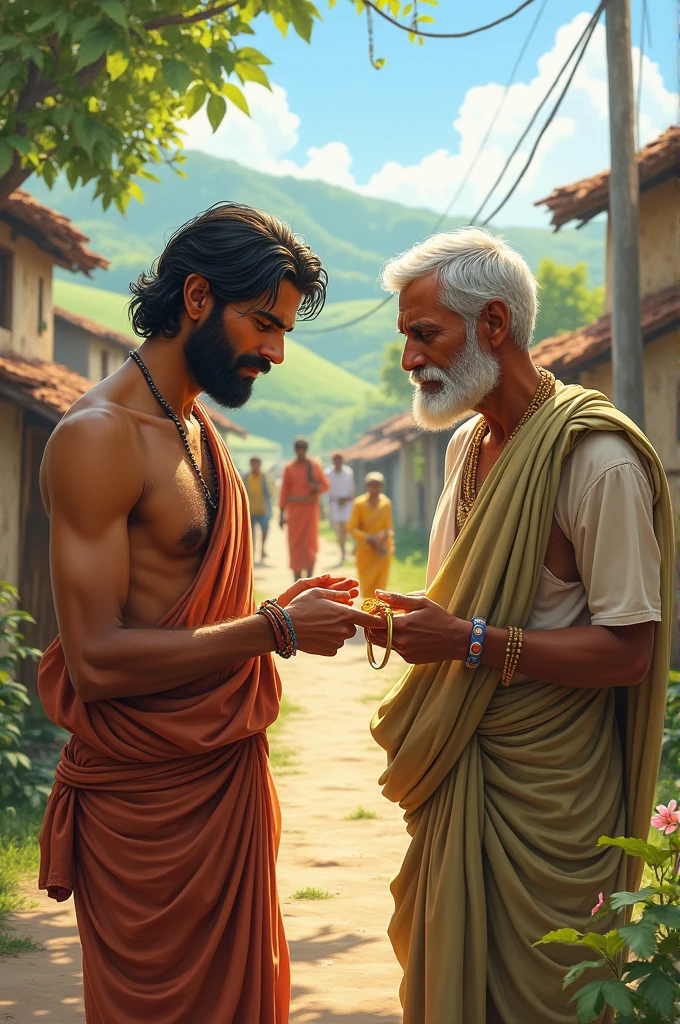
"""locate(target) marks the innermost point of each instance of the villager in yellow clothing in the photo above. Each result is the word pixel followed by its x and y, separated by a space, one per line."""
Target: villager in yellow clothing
pixel 371 526
pixel 530 722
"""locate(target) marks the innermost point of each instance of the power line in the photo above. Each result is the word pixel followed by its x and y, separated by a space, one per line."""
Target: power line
pixel 590 26
pixel 585 38
pixel 468 174
pixel 444 35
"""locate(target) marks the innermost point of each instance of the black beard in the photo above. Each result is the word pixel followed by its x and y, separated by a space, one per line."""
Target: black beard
pixel 213 362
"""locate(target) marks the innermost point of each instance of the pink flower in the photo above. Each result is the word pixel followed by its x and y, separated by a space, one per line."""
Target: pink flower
pixel 668 818
pixel 598 905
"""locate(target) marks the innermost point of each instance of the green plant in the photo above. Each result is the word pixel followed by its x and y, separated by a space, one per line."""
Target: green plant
pixel 19 857
pixel 311 893
pixel 670 754
pixel 359 814
pixel 566 303
pixel 16 784
pixel 637 962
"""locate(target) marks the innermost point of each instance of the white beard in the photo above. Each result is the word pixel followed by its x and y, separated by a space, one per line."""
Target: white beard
pixel 472 375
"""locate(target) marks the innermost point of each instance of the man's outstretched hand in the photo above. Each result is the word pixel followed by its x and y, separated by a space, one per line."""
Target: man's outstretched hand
pixel 426 633
pixel 322 613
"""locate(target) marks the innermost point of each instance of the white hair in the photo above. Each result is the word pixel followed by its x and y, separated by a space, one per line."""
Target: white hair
pixel 472 266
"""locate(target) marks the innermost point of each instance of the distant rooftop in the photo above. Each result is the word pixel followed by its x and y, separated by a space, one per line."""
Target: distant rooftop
pixel 92 327
pixel 51 231
pixel 586 198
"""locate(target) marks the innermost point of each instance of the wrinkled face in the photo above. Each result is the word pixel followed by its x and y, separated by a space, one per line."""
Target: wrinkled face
pixel 338 461
pixel 449 369
pixel 235 343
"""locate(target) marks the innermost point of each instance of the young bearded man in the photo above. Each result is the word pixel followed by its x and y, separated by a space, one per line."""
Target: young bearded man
pixel 163 820
pixel 531 721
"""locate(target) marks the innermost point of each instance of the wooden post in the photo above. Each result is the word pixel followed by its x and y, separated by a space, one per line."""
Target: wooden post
pixel 624 215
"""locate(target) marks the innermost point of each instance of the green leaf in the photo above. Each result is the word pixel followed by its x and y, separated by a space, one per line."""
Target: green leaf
pixel 589 1002
pixel 94 45
pixel 115 11
pixel 83 27
pixel 568 936
pixel 136 192
pixel 249 53
pixel 195 98
pixel 667 915
pixel 41 23
pixel 217 108
pixel 617 900
pixel 652 855
pixel 21 145
pixel 617 995
pixel 578 969
pixel 252 73
pixel 660 992
pixel 636 969
pixel 178 76
pixel 640 937
pixel 235 96
pixel 8 72
pixel 302 19
pixel 606 945
pixel 6 157
pixel 8 42
pixel 280 23
pixel 116 65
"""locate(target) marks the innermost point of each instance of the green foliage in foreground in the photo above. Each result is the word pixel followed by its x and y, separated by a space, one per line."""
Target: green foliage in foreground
pixel 19 859
pixel 637 962
pixel 310 893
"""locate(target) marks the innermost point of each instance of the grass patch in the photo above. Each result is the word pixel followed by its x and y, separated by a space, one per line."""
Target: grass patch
pixel 281 757
pixel 19 859
pixel 360 814
pixel 311 893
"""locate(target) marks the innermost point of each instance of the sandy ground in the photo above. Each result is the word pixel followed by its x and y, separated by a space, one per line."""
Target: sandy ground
pixel 343 967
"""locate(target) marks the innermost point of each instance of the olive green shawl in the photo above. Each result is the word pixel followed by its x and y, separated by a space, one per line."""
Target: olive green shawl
pixel 506 790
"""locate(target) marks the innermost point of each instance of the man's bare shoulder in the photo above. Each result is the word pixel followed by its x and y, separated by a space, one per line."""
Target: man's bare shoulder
pixel 93 451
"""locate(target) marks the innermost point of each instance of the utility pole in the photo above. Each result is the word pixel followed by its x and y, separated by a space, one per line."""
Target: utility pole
pixel 623 217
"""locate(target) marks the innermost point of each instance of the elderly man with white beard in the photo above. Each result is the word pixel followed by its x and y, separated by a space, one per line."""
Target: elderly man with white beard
pixel 530 721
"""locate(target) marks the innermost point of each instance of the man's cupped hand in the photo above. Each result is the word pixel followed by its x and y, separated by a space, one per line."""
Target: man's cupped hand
pixel 323 614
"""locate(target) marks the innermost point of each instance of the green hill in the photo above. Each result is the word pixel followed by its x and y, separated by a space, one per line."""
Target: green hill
pixel 295 397
pixel 353 234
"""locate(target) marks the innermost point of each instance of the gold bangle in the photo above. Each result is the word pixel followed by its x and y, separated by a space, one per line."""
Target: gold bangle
pixel 513 651
pixel 375 607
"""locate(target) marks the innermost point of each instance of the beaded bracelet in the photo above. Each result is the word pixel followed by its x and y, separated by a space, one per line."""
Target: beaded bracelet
pixel 513 651
pixel 282 624
pixel 474 655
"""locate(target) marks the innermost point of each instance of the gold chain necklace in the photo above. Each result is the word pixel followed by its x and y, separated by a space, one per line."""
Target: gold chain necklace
pixel 469 488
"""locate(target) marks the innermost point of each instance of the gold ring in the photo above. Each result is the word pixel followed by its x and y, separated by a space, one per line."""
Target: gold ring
pixel 375 607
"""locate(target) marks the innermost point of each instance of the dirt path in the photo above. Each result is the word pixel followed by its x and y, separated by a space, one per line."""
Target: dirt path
pixel 343 967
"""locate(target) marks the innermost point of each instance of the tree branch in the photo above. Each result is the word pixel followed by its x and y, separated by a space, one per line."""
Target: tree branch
pixel 180 19
pixel 14 177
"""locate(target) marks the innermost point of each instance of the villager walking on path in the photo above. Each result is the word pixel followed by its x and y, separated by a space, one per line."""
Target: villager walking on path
pixel 371 526
pixel 300 503
pixel 530 723
pixel 258 489
pixel 341 491
pixel 164 821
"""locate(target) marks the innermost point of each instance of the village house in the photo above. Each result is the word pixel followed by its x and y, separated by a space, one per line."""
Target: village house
pixel 48 358
pixel 413 462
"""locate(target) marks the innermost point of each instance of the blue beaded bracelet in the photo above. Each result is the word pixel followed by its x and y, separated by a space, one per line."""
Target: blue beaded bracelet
pixel 474 658
pixel 291 628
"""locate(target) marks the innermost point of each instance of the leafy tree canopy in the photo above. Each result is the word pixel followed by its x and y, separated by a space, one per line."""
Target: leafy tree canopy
pixel 565 300
pixel 97 88
pixel 394 381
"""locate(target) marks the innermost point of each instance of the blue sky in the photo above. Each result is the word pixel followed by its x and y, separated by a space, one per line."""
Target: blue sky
pixel 408 131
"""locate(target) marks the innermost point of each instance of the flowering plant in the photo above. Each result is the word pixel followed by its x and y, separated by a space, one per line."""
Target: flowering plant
pixel 637 962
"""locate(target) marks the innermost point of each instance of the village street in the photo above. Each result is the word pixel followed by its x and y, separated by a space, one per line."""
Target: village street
pixel 343 967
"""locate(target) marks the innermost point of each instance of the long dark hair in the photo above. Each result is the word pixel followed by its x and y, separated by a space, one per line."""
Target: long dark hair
pixel 242 253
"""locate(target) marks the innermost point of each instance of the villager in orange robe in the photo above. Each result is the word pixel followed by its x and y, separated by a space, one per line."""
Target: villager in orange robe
pixel 301 504
pixel 164 821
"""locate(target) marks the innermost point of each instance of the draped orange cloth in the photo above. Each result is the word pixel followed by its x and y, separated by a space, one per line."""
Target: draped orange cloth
pixel 303 515
pixel 164 821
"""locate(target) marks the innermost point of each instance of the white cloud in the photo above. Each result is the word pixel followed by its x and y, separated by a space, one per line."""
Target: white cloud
pixel 576 144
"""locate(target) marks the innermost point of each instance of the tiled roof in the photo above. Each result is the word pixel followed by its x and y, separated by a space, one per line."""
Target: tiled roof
pixel 568 353
pixel 584 199
pixel 383 439
pixel 92 327
pixel 49 385
pixel 51 231
pixel 54 388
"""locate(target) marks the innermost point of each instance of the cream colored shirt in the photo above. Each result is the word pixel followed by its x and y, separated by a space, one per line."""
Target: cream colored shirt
pixel 604 507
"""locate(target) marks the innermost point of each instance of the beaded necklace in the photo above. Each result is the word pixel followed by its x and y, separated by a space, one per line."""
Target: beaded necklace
pixel 469 485
pixel 212 503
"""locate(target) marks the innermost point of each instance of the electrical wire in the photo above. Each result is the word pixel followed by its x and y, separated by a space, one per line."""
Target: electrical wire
pixel 585 37
pixel 444 35
pixel 468 174
pixel 590 27
pixel 582 44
